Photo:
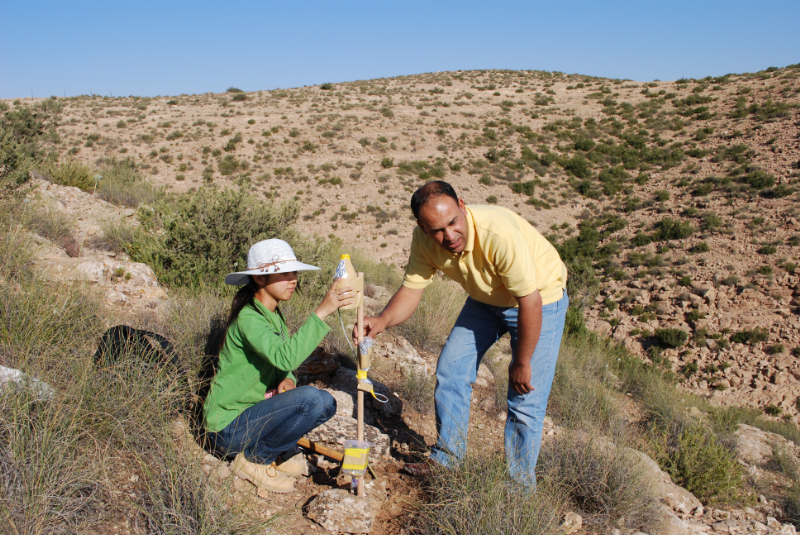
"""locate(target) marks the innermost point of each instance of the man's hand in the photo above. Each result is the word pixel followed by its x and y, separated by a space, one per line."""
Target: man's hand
pixel 373 326
pixel 519 377
pixel 529 326
pixel 398 309
pixel 286 384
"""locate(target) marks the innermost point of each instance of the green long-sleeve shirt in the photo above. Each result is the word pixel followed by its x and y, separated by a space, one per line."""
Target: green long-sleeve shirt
pixel 258 353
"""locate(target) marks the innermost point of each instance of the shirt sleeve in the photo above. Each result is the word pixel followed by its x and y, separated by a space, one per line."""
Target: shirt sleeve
pixel 419 271
pixel 285 355
pixel 513 260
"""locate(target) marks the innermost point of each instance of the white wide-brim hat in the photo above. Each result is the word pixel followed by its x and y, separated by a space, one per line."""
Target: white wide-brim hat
pixel 267 257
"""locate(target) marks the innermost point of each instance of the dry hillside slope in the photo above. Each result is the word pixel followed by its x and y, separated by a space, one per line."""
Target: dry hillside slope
pixel 691 185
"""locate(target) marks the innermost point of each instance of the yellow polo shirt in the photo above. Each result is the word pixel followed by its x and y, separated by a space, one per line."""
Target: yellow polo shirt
pixel 505 257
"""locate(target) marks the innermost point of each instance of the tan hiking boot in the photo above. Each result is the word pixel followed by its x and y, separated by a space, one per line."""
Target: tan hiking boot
pixel 294 466
pixel 264 476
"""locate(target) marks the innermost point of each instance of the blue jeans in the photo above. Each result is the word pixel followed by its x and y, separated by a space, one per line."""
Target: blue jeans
pixel 476 329
pixel 273 426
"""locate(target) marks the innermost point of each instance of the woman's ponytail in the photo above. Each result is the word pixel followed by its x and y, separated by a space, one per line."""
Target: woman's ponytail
pixel 243 297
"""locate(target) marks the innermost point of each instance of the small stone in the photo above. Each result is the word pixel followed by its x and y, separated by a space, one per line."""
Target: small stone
pixel 338 511
pixel 502 416
pixel 572 523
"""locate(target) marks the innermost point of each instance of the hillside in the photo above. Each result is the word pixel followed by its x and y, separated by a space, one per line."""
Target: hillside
pixel 671 202
pixel 692 184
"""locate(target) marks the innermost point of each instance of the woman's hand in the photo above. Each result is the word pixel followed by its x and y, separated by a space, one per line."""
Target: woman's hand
pixel 286 384
pixel 334 299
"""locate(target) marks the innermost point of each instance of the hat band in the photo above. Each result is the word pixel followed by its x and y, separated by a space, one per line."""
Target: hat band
pixel 264 266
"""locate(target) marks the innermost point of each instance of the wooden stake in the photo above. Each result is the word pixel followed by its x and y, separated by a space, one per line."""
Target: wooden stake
pixel 360 432
pixel 322 450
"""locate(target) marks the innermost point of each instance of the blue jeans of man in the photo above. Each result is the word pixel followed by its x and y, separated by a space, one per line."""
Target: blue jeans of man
pixel 478 327
pixel 271 427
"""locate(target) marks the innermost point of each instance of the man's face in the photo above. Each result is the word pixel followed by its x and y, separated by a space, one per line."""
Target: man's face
pixel 445 221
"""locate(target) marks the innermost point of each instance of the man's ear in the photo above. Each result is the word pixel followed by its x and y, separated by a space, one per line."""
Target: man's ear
pixel 462 206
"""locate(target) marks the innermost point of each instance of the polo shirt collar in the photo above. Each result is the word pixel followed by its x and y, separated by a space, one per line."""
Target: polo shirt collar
pixel 470 232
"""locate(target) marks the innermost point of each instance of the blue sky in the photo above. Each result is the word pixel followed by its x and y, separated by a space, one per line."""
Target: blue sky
pixel 167 48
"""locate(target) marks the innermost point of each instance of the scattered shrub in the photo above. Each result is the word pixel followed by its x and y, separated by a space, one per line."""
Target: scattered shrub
pixel 669 229
pixel 668 337
pixel 698 461
pixel 71 173
pixel 750 336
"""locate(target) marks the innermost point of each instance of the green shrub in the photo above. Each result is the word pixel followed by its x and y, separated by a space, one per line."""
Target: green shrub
pixel 21 132
pixel 698 461
pixel 613 179
pixel 669 229
pixel 662 195
pixel 750 336
pixel 71 173
pixel 326 86
pixel 671 337
pixel 694 315
pixel 759 179
pixel 387 163
pixel 525 188
pixel 193 240
pixel 578 166
pixel 767 250
pixel 228 165
pixel 491 199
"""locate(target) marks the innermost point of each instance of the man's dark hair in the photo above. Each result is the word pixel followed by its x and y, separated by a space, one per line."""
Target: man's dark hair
pixel 429 191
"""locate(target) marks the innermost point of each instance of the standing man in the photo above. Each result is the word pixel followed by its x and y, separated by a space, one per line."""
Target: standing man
pixel 516 283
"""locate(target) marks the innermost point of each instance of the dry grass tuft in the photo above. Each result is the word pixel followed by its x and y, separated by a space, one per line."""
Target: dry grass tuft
pixel 480 498
pixel 430 325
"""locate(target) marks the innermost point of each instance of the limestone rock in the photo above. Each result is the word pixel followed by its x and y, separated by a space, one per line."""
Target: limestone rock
pixel 671 524
pixel 675 497
pixel 338 511
pixel 343 426
pixel 753 446
pixel 15 380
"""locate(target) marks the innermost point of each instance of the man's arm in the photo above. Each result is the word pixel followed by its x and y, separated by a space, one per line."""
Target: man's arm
pixel 529 326
pixel 398 309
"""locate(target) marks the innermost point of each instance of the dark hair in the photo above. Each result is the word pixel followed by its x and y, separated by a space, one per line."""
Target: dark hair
pixel 429 191
pixel 243 297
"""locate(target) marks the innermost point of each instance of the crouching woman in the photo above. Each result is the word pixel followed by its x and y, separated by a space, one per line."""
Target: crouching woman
pixel 258 356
